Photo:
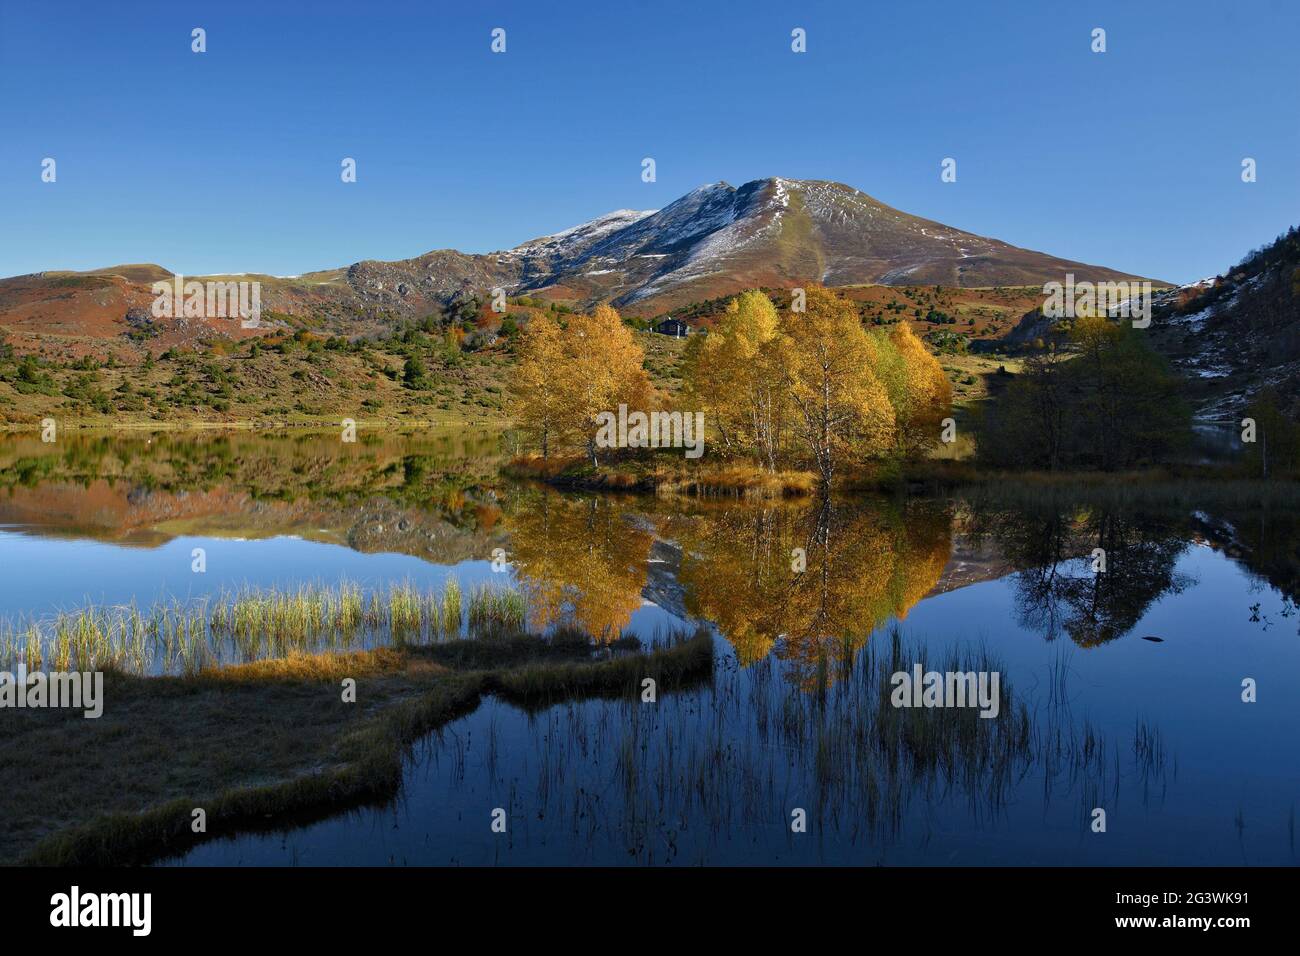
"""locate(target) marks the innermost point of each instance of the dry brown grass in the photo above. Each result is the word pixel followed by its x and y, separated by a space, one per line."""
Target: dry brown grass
pixel 744 481
pixel 664 474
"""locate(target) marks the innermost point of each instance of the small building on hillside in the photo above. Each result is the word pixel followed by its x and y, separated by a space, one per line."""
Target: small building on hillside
pixel 674 327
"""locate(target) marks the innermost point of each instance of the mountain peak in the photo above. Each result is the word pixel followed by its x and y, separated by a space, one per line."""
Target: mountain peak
pixel 715 240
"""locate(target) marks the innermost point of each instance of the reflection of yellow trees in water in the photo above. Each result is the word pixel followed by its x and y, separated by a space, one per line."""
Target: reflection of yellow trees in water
pixel 584 562
pixel 735 570
pixel 579 562
pixel 927 548
pixel 864 564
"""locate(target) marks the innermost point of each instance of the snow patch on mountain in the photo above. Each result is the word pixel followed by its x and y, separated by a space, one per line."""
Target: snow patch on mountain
pixel 726 222
pixel 584 234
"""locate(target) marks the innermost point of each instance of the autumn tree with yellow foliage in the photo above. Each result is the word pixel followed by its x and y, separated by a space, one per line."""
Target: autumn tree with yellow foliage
pixel 736 376
pixel 567 376
pixel 842 409
pixel 604 368
pixel 812 387
pixel 918 389
pixel 536 395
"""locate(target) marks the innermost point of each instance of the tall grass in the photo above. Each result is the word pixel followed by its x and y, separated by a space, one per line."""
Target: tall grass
pixel 451 606
pixel 256 624
pixel 494 610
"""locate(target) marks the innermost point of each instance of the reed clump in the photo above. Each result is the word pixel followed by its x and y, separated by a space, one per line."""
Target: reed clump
pixel 258 624
pixel 494 610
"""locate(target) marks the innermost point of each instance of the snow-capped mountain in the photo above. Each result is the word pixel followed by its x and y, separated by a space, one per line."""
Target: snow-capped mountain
pixel 714 241
pixel 719 239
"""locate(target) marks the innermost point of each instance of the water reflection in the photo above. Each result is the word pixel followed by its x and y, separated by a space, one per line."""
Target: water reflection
pixel 1089 573
pixel 420 495
pixel 579 561
pixel 805 581
pixel 809 582
pixel 805 593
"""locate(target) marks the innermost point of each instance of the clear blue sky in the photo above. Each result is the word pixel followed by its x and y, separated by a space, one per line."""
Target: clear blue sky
pixel 229 160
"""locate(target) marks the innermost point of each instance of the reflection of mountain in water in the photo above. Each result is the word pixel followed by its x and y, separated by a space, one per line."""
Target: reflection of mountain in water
pixel 429 496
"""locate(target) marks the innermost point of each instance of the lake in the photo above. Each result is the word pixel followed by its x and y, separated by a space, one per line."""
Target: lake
pixel 1122 627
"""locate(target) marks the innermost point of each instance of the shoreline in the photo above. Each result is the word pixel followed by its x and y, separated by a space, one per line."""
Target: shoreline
pixel 925 477
pixel 426 687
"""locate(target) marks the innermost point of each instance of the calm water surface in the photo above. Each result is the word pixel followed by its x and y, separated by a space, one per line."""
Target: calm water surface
pixel 1130 681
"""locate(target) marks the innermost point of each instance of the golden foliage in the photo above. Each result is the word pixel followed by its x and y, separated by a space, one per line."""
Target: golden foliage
pixel 535 396
pixel 735 375
pixel 922 397
pixel 808 388
pixel 842 410
pixel 568 376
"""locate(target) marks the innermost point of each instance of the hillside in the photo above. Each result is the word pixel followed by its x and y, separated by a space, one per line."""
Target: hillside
pixel 1239 332
pixel 1227 336
pixel 462 363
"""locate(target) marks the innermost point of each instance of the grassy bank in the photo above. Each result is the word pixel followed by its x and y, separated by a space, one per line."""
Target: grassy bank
pixel 662 474
pixel 668 474
pixel 271 744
